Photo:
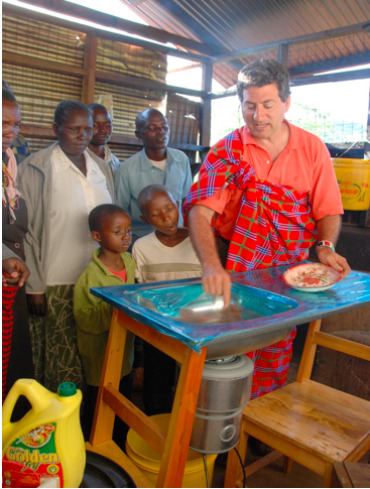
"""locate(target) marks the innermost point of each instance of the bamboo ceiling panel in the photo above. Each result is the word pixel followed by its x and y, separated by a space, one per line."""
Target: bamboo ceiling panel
pixel 128 103
pixel 39 92
pixel 42 40
pixel 131 60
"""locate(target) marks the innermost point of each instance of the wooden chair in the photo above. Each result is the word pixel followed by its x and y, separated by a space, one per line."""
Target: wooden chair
pixel 308 422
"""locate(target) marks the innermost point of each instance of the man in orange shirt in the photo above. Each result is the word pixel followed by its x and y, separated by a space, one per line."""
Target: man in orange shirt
pixel 269 192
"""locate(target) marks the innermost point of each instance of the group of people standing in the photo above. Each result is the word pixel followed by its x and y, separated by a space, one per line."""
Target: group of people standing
pixel 265 194
pixel 60 186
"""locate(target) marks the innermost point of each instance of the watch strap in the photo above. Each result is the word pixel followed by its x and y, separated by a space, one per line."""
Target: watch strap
pixel 325 244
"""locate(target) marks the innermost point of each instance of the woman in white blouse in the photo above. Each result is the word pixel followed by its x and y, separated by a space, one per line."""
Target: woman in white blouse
pixel 61 184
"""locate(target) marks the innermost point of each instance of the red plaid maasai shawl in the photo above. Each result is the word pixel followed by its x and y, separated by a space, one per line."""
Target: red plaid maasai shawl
pixel 7 316
pixel 273 224
pixel 271 365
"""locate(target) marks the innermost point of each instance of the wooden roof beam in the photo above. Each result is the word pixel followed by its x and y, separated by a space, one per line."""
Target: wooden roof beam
pixel 104 76
pixel 144 83
pixel 42 64
pixel 306 80
pixel 331 77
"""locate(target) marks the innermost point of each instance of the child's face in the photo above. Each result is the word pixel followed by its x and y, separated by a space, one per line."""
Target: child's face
pixel 162 213
pixel 115 233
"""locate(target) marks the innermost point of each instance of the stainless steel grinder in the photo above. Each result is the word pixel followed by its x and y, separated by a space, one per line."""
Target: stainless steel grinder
pixel 225 389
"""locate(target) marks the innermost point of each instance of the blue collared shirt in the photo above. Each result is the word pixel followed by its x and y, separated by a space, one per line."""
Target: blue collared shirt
pixel 137 172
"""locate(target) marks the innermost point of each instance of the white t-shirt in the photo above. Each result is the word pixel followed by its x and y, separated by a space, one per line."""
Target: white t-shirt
pixel 159 164
pixel 156 262
pixel 73 197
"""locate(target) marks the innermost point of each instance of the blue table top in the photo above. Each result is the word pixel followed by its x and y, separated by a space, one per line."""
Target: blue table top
pixel 350 293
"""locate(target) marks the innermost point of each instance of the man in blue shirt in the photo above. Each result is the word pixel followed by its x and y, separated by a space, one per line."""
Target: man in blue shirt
pixel 154 164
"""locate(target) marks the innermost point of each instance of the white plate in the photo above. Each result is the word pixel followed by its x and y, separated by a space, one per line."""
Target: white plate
pixel 311 277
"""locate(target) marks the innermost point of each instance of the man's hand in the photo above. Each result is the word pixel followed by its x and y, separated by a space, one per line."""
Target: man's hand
pixel 37 304
pixel 15 272
pixel 329 257
pixel 328 228
pixel 216 281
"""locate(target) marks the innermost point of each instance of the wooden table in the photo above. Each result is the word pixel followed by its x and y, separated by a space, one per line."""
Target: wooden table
pixel 188 346
pixel 175 445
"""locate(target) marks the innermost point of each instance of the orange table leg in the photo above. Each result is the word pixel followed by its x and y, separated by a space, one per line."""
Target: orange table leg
pixel 110 402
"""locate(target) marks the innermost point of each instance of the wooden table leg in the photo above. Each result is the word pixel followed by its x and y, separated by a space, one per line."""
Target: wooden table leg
pixel 176 445
pixel 181 421
pixel 102 428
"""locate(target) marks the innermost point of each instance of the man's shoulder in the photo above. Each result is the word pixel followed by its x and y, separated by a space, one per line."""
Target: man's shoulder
pixel 130 163
pixel 176 154
pixel 175 151
pixel 304 135
pixel 133 158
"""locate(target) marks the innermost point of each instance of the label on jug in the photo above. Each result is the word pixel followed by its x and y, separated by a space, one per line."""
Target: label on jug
pixel 31 460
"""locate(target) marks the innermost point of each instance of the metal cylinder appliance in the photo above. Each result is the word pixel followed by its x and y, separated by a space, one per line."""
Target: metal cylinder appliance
pixel 225 389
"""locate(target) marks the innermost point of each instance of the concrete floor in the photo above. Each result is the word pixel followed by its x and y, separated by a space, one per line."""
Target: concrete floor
pixel 273 476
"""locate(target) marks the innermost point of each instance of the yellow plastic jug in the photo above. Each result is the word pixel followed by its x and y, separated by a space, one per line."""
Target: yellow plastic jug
pixel 46 447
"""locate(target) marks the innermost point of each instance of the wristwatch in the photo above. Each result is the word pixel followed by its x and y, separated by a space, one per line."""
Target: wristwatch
pixel 325 244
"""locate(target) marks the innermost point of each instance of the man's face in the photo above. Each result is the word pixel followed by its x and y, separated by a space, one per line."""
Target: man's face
pixel 102 127
pixel 76 133
pixel 264 111
pixel 154 132
pixel 11 116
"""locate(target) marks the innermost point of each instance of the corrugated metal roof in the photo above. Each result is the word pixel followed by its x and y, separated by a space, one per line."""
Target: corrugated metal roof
pixel 231 26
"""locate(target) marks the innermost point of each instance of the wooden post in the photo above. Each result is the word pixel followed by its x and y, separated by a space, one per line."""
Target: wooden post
pixel 88 81
pixel 205 127
pixel 282 56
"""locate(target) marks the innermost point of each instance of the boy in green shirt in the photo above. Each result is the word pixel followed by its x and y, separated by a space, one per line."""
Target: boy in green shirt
pixel 110 226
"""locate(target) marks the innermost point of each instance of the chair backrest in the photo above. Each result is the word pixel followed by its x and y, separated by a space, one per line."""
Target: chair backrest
pixel 316 337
